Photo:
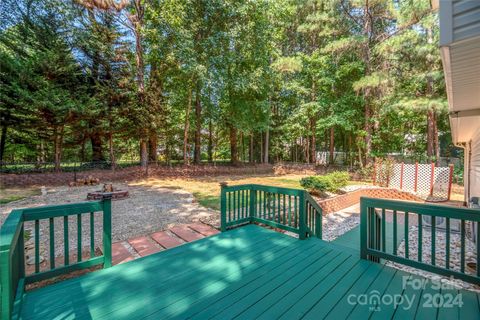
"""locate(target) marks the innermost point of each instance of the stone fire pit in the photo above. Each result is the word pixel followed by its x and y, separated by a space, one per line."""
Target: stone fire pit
pixel 107 188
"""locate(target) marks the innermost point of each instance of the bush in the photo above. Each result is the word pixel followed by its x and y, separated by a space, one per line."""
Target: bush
pixel 331 182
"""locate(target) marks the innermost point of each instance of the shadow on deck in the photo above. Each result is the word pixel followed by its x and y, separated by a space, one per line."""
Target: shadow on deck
pixel 245 273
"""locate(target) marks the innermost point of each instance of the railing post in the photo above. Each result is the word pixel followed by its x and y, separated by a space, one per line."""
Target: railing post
pixel 363 229
pixel 253 202
pixel 107 229
pixel 318 224
pixel 301 216
pixel 223 207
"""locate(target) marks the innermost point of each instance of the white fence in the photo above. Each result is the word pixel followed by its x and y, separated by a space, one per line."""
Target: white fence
pixel 424 180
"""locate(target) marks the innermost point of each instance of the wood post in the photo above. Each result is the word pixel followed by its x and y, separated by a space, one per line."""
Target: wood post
pixel 432 177
pixel 223 207
pixel 450 180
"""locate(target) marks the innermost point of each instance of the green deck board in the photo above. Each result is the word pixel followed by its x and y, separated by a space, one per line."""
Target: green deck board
pixel 423 311
pixel 186 309
pixel 195 265
pixel 247 273
pixel 470 305
pixel 281 306
pixel 246 296
pixel 269 285
pixel 342 308
pixel 322 306
pixel 351 238
pixel 378 286
pixel 280 292
pixel 386 310
pixel 408 308
pixel 170 302
pixel 449 311
pixel 346 270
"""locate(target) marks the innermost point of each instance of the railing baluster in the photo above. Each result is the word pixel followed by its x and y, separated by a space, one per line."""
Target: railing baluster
pixel 462 246
pixel 279 208
pixel 52 243
pixel 66 252
pixel 79 237
pixel 37 246
pixel 406 235
pixel 395 232
pixel 447 244
pixel 264 205
pixel 420 239
pixel 284 210
pixel 289 210
pixel 234 205
pixel 239 207
pixel 434 235
pixel 383 231
pixel 92 235
pixel 295 210
pixel 229 206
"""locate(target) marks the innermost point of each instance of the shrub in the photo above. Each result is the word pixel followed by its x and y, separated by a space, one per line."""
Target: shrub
pixel 331 182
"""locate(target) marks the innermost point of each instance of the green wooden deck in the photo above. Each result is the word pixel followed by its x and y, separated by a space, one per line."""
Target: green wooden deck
pixel 245 273
pixel 350 238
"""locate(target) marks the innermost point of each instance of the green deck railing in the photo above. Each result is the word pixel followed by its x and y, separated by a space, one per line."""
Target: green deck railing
pixel 13 277
pixel 410 216
pixel 292 210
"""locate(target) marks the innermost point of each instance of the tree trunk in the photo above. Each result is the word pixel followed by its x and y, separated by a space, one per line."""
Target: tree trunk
pixel 3 140
pixel 152 146
pixel 313 144
pixel 435 137
pixel 210 142
pixel 111 150
pixel 143 153
pixel 58 143
pixel 430 134
pixel 97 150
pixel 367 31
pixel 332 145
pixel 267 145
pixel 187 128
pixel 110 141
pixel 197 156
pixel 233 145
pixel 250 151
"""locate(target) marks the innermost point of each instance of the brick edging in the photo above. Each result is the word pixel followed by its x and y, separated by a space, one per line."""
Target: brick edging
pixel 349 199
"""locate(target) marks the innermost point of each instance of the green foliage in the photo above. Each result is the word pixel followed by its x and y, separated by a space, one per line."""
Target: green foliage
pixel 331 182
pixel 219 75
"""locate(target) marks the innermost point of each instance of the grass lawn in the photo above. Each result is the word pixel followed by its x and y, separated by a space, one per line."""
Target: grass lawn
pixel 207 189
pixel 13 194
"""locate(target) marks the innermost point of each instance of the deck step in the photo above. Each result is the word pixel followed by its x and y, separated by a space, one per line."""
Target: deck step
pixel 186 233
pixel 165 239
pixel 144 246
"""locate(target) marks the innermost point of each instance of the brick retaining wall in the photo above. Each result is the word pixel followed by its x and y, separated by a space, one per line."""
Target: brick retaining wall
pixel 130 174
pixel 349 199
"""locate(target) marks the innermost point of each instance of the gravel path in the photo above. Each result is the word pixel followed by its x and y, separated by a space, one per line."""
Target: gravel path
pixel 148 209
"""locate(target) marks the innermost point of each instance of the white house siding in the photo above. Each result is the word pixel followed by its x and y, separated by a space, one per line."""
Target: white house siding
pixel 474 175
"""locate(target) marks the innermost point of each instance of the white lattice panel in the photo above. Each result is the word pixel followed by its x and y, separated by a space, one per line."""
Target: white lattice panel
pixel 416 178
pixel 441 182
pixel 396 176
pixel 409 177
pixel 424 180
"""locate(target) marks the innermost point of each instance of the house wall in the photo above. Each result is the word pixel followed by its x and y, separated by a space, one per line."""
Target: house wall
pixel 459 20
pixel 474 170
